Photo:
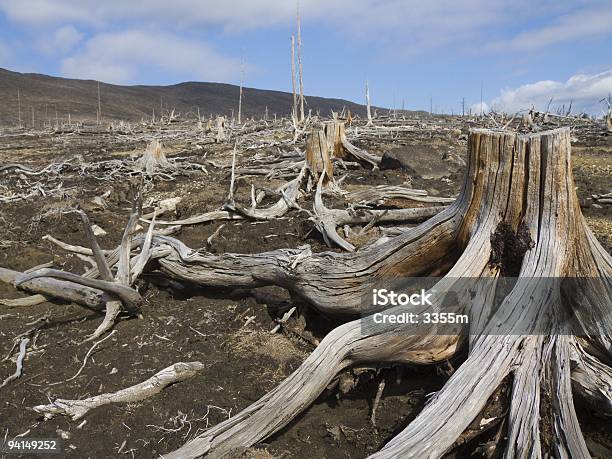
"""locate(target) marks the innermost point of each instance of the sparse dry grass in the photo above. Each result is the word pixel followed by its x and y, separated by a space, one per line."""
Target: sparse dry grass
pixel 262 344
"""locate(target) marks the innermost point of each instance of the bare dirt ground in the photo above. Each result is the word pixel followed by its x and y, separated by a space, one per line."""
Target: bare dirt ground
pixel 227 330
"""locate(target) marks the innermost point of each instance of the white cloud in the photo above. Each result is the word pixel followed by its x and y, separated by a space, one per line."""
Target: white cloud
pixel 479 108
pixel 583 91
pixel 405 26
pixel 125 57
pixel 228 13
pixel 61 41
pixel 582 24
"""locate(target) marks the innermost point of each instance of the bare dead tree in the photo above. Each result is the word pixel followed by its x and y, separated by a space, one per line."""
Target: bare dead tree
pixel 299 56
pixel 99 113
pixel 240 95
pixel 19 106
pixel 368 106
pixel 294 111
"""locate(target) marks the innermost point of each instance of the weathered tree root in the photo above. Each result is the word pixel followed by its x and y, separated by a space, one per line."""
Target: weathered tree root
pixel 380 193
pixel 233 211
pixel 327 220
pixel 520 181
pixel 76 409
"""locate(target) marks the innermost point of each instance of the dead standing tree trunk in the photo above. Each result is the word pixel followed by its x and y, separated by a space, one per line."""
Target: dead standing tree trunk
pixel 220 129
pixel 368 106
pixel 522 184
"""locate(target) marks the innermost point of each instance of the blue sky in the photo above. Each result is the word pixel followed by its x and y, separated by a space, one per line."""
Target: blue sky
pixel 522 52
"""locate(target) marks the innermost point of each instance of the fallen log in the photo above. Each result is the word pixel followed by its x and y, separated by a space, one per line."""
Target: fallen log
pixel 76 409
pixel 64 290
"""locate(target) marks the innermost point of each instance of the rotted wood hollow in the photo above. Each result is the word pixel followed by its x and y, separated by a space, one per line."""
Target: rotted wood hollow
pixel 521 184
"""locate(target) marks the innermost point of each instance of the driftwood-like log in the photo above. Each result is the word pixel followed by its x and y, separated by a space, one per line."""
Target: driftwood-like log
pixel 360 154
pixel 290 193
pixel 76 409
pixel 31 300
pixel 379 194
pixel 327 220
pixel 64 290
pixel 130 297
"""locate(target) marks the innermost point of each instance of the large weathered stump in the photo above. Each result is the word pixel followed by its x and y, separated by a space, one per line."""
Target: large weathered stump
pixel 517 215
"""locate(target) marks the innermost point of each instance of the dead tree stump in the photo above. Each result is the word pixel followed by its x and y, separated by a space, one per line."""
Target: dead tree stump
pixel 317 155
pixel 518 216
pixel 220 129
pixel 335 133
pixel 527 120
pixel 154 159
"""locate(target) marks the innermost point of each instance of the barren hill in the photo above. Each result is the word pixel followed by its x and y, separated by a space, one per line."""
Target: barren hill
pixel 44 95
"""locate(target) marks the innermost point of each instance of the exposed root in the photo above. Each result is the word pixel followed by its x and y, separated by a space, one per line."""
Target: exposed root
pixel 343 347
pixel 327 220
pixel 381 193
pixel 591 381
pixel 113 309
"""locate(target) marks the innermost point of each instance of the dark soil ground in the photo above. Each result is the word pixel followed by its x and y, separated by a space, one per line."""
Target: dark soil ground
pixel 243 360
